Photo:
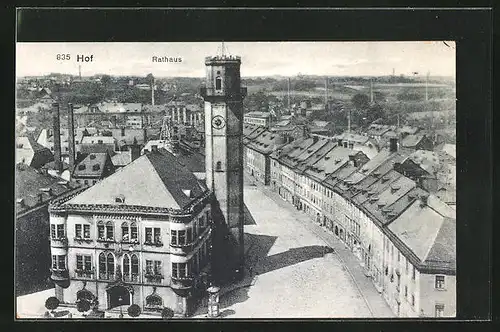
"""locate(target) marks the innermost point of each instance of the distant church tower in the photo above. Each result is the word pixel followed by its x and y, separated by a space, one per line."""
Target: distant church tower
pixel 223 97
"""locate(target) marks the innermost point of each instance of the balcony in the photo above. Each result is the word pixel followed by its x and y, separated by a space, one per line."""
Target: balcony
pixel 181 282
pixel 187 246
pixel 130 241
pixel 106 241
pixel 61 242
pixel 153 243
pixel 83 240
pixel 106 276
pixel 59 274
pixel 153 277
pixel 134 277
pixel 85 274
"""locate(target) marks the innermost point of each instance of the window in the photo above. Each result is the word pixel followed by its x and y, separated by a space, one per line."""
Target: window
pixel 153 267
pixel 218 166
pixel 58 262
pixel 189 235
pixel 179 270
pixel 406 291
pixel 52 231
pixel 439 282
pixel 84 262
pixel 153 235
pixel 100 231
pixel 109 231
pixel 106 266
pixel 125 232
pixel 60 231
pixel 413 274
pixel 439 310
pixel 86 231
pixel 157 235
pixel 78 230
pixel 86 182
pixel 412 300
pixel 218 83
pixel 173 237
pixel 181 237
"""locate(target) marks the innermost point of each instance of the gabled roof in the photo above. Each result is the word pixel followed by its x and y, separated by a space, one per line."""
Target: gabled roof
pixel 265 142
pixel 329 162
pixel 429 231
pixel 412 140
pixel 93 165
pixel 153 180
pixel 33 153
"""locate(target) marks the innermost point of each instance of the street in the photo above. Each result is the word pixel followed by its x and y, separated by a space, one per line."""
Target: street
pixel 293 273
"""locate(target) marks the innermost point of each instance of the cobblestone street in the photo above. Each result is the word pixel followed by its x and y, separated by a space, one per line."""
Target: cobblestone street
pixel 292 271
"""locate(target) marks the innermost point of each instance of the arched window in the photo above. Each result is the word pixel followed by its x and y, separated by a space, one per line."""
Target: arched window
pixel 110 231
pixel 135 265
pixel 125 232
pixel 126 266
pixel 110 265
pixel 218 83
pixel 102 266
pixel 218 166
pixel 100 231
pixel 133 232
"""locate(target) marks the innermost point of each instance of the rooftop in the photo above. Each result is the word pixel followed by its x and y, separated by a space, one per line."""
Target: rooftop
pixel 153 180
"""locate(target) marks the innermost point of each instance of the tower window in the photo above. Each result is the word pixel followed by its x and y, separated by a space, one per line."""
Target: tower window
pixel 218 83
pixel 218 166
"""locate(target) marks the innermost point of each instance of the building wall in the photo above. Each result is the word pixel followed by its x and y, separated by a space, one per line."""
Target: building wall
pixel 164 253
pixel 430 296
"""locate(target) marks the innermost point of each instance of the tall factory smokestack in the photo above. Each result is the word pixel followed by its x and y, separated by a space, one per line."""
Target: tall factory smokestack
pixel 153 92
pixel 57 136
pixel 71 137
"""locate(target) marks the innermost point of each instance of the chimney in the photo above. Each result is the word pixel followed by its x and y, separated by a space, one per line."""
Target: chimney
pixel 57 137
pixel 352 158
pixel 71 137
pixel 153 92
pixel 123 131
pixel 315 139
pixel 393 145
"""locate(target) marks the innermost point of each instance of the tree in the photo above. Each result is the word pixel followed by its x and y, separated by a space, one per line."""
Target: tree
pixel 134 310
pixel 52 303
pixel 83 305
pixel 167 313
pixel 360 101
pixel 105 80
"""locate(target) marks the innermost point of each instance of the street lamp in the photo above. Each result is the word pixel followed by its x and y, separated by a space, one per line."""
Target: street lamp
pixel 120 302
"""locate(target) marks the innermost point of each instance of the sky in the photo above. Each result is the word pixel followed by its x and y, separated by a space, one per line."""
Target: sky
pixel 258 58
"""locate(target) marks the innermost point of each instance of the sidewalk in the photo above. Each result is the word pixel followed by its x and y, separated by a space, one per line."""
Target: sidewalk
pixel 374 300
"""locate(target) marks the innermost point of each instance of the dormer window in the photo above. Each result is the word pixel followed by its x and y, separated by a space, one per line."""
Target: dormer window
pixel 218 166
pixel 92 156
pixel 187 192
pixel 81 167
pixel 120 199
pixel 218 83
pixel 96 167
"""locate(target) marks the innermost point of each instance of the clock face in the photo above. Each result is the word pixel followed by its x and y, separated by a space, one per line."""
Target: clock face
pixel 218 122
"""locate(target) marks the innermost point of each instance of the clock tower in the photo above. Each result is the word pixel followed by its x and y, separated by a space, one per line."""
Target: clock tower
pixel 223 97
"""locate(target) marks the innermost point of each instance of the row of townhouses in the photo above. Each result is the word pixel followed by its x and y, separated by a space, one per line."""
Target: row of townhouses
pixel 383 206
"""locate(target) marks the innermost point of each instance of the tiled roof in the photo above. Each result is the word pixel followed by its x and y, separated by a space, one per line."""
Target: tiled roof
pixel 96 139
pixel 429 232
pixel 265 142
pixel 355 138
pixel 33 185
pixel 122 158
pixel 93 165
pixel 33 153
pixel 411 140
pixel 329 162
pixel 155 180
pixel 257 114
pixel 194 161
